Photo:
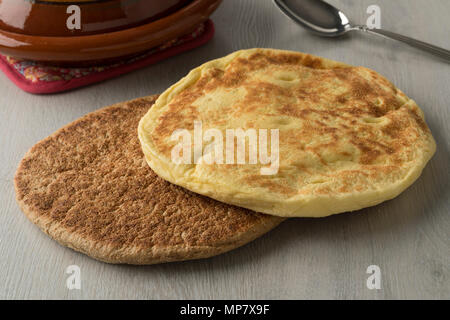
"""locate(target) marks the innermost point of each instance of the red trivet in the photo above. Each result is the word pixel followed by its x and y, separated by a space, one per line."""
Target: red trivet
pixel 37 78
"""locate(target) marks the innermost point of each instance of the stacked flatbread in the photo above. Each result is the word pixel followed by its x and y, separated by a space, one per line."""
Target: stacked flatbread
pixel 348 139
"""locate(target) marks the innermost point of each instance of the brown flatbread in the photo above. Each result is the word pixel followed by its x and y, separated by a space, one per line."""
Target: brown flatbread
pixel 88 187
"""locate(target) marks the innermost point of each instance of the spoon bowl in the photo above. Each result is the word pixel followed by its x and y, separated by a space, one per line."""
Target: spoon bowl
pixel 316 16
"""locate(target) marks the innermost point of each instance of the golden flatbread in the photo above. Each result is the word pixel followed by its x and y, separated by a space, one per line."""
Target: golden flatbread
pixel 347 137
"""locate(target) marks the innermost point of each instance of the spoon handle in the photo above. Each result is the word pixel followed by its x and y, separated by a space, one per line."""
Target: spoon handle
pixel 437 51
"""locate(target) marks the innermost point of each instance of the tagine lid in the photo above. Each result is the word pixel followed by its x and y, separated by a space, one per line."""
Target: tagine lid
pixel 101 48
pixel 81 17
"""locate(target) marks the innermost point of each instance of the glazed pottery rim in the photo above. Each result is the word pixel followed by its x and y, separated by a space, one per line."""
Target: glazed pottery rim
pixel 45 9
pixel 188 16
pixel 188 7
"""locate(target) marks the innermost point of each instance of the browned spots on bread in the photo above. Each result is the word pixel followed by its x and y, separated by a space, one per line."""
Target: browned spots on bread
pixel 312 62
pixel 267 182
pixel 419 120
pixel 90 188
pixel 330 116
pixel 260 60
pixel 394 128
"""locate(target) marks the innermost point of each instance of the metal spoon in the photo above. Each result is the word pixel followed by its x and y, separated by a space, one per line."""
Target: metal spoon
pixel 325 20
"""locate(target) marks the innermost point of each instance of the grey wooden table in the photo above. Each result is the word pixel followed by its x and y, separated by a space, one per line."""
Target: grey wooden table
pixel 408 238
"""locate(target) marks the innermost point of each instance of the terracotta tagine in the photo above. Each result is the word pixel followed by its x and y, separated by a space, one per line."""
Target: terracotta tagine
pixel 94 31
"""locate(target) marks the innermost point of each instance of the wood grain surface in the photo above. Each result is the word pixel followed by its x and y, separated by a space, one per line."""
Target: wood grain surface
pixel 408 237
